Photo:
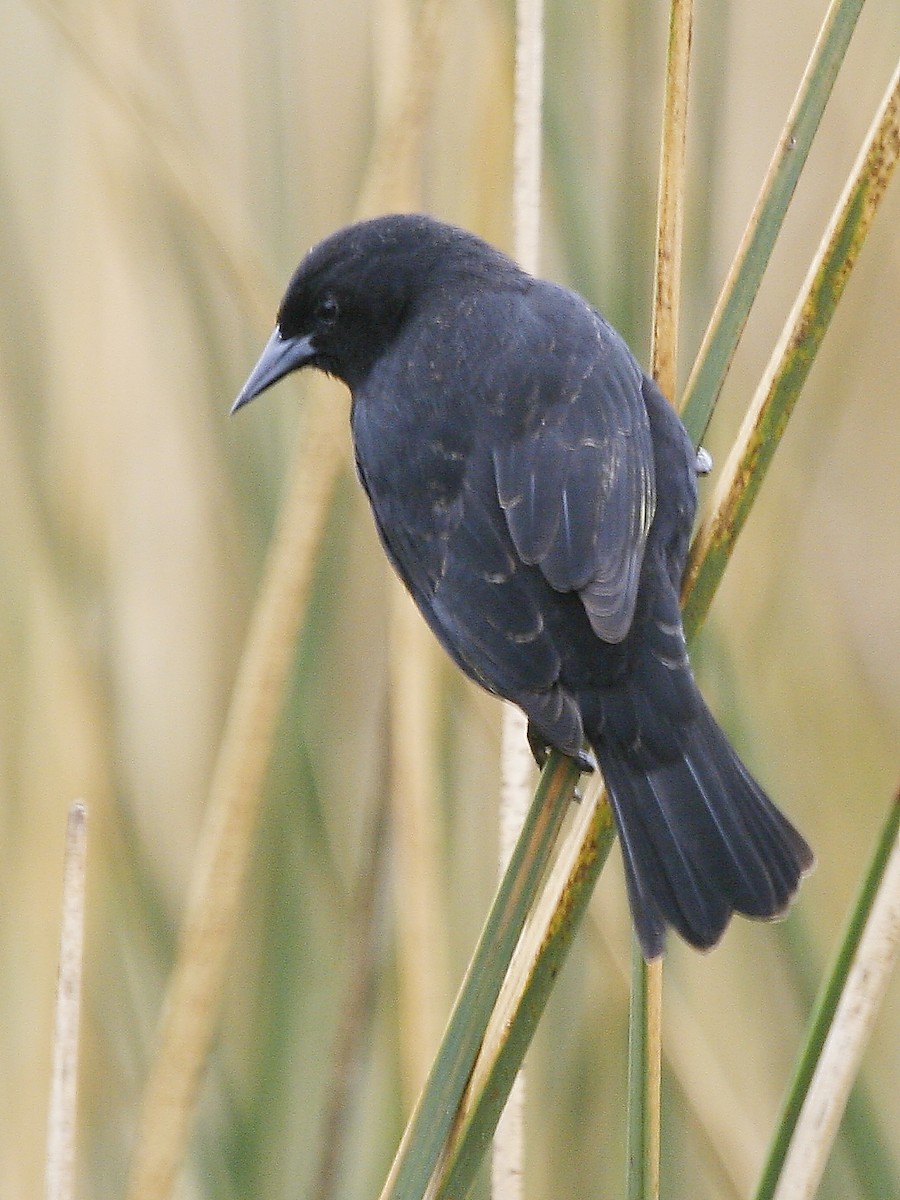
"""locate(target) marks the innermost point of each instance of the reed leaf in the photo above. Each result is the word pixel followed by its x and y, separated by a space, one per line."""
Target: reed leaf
pixel 793 357
pixel 538 961
pixel 881 882
pixel 435 1112
pixel 748 267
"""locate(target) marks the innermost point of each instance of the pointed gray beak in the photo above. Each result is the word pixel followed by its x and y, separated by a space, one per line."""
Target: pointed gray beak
pixel 280 357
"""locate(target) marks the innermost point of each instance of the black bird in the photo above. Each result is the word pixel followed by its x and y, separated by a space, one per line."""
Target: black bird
pixel 535 492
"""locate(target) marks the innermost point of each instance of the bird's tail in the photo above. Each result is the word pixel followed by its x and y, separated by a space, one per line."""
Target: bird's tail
pixel 700 839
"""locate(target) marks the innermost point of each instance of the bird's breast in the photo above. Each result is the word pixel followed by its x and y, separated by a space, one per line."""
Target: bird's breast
pixel 412 462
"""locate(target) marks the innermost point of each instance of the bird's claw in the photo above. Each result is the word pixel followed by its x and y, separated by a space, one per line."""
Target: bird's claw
pixel 585 761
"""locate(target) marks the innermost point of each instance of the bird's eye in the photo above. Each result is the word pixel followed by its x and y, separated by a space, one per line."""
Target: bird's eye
pixel 327 310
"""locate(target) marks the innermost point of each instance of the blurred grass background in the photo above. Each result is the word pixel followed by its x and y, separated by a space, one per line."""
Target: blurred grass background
pixel 162 168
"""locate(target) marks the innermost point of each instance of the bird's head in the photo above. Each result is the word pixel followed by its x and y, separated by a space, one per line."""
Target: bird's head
pixel 352 293
pixel 346 301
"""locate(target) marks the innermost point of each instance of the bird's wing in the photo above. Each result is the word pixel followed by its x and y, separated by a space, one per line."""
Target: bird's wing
pixel 577 485
pixel 483 604
pixel 488 612
pixel 483 600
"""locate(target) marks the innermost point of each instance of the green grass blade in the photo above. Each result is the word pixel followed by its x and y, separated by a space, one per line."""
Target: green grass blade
pixel 827 1004
pixel 740 288
pixel 793 357
pixel 435 1112
pixel 512 1027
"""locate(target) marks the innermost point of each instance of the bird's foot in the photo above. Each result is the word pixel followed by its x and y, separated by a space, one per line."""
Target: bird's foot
pixel 540 748
pixel 703 462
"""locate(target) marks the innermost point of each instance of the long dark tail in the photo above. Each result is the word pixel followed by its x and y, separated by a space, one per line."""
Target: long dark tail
pixel 700 839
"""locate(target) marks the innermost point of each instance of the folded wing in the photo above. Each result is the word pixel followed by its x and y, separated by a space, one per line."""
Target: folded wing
pixel 578 487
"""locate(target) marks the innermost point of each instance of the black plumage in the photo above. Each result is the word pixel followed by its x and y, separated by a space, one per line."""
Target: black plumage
pixel 535 492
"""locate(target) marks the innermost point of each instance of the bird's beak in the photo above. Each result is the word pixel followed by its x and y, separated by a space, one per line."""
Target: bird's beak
pixel 280 357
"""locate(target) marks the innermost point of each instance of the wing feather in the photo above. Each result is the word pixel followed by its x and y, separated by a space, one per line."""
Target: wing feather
pixel 578 486
pixel 483 601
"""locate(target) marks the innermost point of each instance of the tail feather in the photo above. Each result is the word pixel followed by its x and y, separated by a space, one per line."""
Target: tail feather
pixel 784 849
pixel 719 842
pixel 700 839
pixel 667 884
pixel 740 856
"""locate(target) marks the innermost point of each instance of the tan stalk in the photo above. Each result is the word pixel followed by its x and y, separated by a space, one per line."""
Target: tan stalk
pixel 516 768
pixel 420 919
pixel 195 987
pixel 420 916
pixel 854 1019
pixel 60 1160
pixel 645 1051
